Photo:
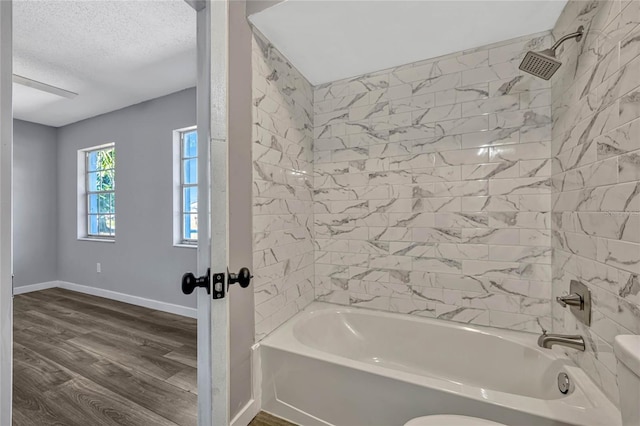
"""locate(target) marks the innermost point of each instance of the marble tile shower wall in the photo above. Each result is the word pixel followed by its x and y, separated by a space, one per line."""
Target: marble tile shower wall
pixel 596 177
pixel 282 188
pixel 432 189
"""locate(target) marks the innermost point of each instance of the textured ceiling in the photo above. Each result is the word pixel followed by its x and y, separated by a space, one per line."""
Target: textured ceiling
pixel 112 53
pixel 332 40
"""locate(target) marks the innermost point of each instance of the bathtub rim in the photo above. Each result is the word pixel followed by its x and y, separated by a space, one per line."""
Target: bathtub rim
pixel 586 405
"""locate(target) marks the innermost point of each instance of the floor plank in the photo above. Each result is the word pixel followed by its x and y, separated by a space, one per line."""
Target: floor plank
pixel 186 379
pixel 147 361
pixel 187 354
pixel 266 419
pixel 115 305
pixel 36 372
pixel 58 324
pixel 31 407
pixel 81 360
pixel 82 401
pixel 156 395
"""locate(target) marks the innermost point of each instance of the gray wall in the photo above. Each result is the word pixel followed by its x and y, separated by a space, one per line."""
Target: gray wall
pixel 142 261
pixel 35 203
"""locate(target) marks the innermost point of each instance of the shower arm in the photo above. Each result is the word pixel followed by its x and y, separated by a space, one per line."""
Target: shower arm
pixel 577 35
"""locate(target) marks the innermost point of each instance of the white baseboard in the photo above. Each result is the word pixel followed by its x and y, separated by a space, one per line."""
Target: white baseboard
pixel 134 300
pixel 256 374
pixel 113 295
pixel 35 287
pixel 248 412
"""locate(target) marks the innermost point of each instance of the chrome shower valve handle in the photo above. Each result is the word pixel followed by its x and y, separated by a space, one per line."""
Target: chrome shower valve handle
pixel 571 300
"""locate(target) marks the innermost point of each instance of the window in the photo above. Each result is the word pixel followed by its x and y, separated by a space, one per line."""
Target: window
pixel 188 141
pixel 100 185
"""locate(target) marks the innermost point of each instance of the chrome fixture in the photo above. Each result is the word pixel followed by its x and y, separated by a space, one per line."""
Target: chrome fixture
pixel 571 341
pixel 564 383
pixel 544 64
pixel 579 301
pixel 571 300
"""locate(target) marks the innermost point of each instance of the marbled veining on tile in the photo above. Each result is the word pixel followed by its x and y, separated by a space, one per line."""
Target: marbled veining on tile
pixel 458 187
pixel 596 177
pixel 282 188
pixel 432 189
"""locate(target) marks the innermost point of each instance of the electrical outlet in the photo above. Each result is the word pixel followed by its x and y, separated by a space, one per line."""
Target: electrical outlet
pixel 98 267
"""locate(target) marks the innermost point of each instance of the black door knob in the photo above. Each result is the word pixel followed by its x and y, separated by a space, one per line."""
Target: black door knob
pixel 190 282
pixel 243 277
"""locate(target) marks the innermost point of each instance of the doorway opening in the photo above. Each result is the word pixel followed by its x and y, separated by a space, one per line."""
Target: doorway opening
pixel 105 212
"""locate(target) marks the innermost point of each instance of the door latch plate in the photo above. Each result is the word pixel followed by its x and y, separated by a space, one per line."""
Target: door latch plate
pixel 217 284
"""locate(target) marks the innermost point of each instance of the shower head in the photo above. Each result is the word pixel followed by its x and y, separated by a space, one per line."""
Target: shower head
pixel 544 64
pixel 541 64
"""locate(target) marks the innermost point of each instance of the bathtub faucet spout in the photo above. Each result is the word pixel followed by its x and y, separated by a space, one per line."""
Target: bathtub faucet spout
pixel 571 341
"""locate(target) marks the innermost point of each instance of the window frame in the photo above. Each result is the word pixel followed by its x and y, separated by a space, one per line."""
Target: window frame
pixel 180 215
pixel 184 185
pixel 84 228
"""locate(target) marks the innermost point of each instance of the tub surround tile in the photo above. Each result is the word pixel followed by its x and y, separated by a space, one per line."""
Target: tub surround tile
pixel 283 225
pixel 412 307
pixel 459 188
pixel 441 186
pixel 595 178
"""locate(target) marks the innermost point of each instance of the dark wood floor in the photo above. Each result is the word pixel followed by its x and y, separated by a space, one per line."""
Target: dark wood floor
pixel 84 360
pixel 266 419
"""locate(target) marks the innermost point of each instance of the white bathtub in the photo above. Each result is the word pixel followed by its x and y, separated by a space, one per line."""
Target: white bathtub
pixel 332 365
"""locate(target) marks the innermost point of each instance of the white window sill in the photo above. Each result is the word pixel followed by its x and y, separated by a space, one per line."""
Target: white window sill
pixel 97 240
pixel 191 246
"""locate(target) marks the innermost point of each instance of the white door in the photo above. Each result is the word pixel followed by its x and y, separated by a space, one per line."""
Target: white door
pixel 6 136
pixel 213 308
pixel 213 330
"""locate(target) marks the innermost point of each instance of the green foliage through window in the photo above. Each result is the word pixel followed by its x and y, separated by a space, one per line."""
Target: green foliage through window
pixel 101 185
pixel 189 185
